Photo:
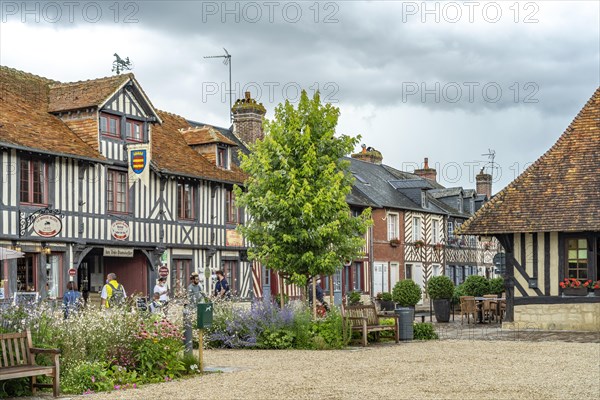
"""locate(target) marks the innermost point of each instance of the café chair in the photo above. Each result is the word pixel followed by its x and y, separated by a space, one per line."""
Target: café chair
pixel 490 307
pixel 468 307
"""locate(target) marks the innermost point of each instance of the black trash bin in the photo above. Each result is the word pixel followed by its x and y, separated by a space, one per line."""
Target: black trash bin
pixel 406 317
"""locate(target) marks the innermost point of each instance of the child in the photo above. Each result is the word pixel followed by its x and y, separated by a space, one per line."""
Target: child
pixel 156 305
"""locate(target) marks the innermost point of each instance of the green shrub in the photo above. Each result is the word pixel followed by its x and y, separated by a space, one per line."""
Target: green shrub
pixel 406 293
pixel 458 292
pixel 328 333
pixel 424 331
pixel 496 286
pixel 276 339
pixel 88 377
pixel 354 298
pixel 386 296
pixel 476 285
pixel 440 287
pixel 14 388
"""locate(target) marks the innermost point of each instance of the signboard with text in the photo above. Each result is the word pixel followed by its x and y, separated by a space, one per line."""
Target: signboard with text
pixel 118 252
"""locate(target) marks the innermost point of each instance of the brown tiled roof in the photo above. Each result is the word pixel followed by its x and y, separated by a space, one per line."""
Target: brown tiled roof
pixel 172 154
pixel 559 192
pixel 204 135
pixel 25 121
pixel 86 129
pixel 82 94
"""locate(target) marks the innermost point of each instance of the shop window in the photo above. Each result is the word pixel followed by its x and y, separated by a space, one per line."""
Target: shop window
pixel 52 275
pixel 180 274
pixel 186 194
pixel 116 191
pixel 26 273
pixel 356 273
pixel 34 182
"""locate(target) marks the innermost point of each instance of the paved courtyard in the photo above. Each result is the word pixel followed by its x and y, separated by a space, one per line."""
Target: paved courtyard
pixel 445 369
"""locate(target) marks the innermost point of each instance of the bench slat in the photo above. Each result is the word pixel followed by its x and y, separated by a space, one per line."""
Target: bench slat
pixel 25 371
pixel 11 360
pixel 12 335
pixel 4 360
pixel 25 352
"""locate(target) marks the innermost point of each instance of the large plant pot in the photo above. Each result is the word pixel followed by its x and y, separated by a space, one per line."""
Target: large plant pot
pixel 405 322
pixel 441 307
pixel 597 292
pixel 388 305
pixel 580 291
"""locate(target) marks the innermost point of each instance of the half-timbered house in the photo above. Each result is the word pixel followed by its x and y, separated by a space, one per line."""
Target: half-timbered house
pixel 69 201
pixel 548 221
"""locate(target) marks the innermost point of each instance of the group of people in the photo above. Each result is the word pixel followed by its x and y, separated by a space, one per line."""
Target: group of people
pixel 113 293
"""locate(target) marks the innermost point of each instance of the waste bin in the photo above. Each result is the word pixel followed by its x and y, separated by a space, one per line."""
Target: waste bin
pixel 205 315
pixel 406 317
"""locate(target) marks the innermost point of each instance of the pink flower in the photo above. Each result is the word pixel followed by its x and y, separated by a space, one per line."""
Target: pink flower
pixel 117 387
pixel 135 386
pixel 93 379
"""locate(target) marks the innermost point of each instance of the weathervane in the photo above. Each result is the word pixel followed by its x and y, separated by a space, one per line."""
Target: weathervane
pixel 227 61
pixel 121 65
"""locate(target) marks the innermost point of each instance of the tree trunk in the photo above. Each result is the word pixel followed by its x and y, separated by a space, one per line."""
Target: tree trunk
pixel 330 291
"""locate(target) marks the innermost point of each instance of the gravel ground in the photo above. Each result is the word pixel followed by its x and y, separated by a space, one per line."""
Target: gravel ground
pixel 450 369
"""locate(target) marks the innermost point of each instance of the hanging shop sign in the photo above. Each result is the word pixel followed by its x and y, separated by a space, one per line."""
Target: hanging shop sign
pixel 119 230
pixel 118 252
pixel 47 226
pixel 233 238
pixel 46 222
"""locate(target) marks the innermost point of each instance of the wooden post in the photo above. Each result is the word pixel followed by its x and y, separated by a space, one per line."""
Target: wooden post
pixel 281 291
pixel 331 290
pixel 201 350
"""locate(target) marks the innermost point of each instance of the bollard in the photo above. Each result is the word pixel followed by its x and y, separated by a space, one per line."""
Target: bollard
pixel 187 334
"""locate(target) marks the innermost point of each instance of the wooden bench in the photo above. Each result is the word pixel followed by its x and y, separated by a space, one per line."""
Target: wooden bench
pixel 364 318
pixel 18 361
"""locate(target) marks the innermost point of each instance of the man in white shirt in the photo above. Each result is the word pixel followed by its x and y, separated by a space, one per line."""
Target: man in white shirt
pixel 161 289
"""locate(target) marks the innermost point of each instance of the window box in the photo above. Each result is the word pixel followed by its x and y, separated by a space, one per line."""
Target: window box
pixel 580 291
pixel 394 242
pixel 419 244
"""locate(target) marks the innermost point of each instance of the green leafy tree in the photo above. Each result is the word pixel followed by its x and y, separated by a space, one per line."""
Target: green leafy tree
pixel 296 191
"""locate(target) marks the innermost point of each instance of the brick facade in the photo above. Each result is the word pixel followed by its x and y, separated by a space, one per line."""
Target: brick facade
pixel 248 119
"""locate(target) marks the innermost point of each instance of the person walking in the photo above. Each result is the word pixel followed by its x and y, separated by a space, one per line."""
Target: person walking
pixel 161 289
pixel 221 286
pixel 71 299
pixel 194 290
pixel 113 293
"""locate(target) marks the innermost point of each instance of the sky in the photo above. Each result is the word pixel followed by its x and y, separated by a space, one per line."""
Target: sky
pixel 447 80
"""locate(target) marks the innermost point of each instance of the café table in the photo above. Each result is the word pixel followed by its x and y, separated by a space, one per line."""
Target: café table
pixel 479 301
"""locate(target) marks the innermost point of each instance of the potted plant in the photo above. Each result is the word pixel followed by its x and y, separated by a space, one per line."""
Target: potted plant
pixel 476 285
pixel 496 286
pixel 419 244
pixel 394 242
pixel 406 294
pixel 573 287
pixel 596 287
pixel 387 302
pixel 438 246
pixel 440 289
pixel 354 298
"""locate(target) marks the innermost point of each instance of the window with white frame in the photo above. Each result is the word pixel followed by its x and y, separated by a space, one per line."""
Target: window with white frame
pixel 450 229
pixel 435 228
pixel 393 228
pixel 416 229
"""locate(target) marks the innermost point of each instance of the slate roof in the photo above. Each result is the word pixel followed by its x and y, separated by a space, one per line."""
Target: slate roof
pixel 559 192
pixel 24 118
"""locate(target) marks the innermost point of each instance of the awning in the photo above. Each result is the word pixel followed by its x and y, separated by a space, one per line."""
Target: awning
pixel 9 254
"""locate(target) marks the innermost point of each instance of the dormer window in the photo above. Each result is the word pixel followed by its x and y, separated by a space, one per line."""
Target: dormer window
pixel 134 131
pixel 110 125
pixel 222 157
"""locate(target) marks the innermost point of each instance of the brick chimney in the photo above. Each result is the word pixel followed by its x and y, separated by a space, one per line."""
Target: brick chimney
pixel 369 154
pixel 248 119
pixel 426 172
pixel 484 184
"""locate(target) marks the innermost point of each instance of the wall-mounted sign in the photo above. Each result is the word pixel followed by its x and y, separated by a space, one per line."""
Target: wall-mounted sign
pixel 46 225
pixel 72 272
pixel 233 238
pixel 118 252
pixel 163 271
pixel 120 230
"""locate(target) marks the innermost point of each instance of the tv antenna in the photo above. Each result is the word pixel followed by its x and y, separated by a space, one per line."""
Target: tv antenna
pixel 491 155
pixel 227 61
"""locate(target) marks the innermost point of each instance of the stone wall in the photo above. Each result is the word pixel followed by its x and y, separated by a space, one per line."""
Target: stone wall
pixel 572 317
